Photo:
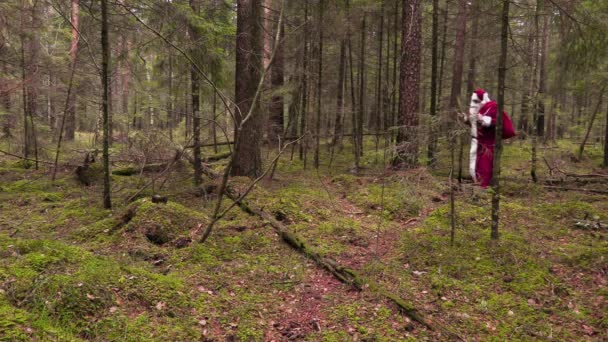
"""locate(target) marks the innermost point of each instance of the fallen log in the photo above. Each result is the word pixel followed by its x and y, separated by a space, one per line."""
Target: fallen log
pixel 216 157
pixel 344 274
pixel 131 170
pixel 562 188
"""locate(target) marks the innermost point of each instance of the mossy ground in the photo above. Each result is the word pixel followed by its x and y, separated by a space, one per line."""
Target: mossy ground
pixel 70 270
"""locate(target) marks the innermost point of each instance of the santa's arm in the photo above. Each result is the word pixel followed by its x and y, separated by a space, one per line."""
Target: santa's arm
pixel 488 118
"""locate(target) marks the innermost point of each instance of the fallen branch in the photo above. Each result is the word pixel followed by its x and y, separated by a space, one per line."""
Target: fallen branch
pixel 30 159
pixel 345 275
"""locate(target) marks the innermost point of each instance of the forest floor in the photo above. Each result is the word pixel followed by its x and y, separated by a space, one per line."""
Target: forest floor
pixel 70 270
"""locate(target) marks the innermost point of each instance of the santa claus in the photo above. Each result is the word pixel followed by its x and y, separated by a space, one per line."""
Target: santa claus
pixel 482 116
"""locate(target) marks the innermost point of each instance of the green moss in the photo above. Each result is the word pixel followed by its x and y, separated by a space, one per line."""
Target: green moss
pixel 73 289
pixel 570 209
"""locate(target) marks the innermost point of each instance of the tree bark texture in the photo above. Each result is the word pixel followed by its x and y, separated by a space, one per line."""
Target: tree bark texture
pixel 409 86
pixel 502 74
pixel 433 110
pixel 105 79
pixel 249 46
pixel 196 112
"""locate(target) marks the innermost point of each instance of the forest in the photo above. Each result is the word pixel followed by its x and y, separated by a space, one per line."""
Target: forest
pixel 303 170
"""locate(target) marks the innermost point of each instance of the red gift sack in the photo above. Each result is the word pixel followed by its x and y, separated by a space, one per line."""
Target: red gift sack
pixel 507 127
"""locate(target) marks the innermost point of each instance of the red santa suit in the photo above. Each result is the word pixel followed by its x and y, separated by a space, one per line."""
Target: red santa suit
pixel 483 113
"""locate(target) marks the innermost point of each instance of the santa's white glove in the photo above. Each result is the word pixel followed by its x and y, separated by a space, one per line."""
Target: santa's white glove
pixel 484 120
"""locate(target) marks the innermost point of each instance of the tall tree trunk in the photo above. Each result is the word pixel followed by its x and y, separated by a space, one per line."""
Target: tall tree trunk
pixel 378 115
pixel 535 78
pixel 527 83
pixel 395 85
pixel 362 87
pixel 24 92
pixel 458 66
pixel 502 74
pixel 247 160
pixel 105 78
pixel 276 80
pixel 70 122
pixel 540 122
pixel 304 106
pixel 432 131
pixel 337 139
pixel 442 56
pixel 196 112
pixel 171 101
pixel 319 86
pixel 353 106
pixel 470 77
pixel 33 60
pixel 409 86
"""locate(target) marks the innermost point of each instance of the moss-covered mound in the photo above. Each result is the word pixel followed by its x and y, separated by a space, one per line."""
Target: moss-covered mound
pixel 144 223
pixel 53 291
pixel 162 223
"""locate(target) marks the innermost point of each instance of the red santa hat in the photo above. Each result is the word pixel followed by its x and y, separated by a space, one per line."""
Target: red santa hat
pixel 481 95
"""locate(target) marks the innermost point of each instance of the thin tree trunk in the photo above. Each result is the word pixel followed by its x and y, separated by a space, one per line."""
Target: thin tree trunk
pixel 395 94
pixel 196 112
pixel 353 107
pixel 105 76
pixel 319 87
pixel 434 50
pixel 539 105
pixel 527 83
pixel 442 57
pixel 171 100
pixel 581 148
pixel 63 118
pixel 362 87
pixel 70 124
pixel 32 63
pixel 304 107
pixel 502 73
pixel 214 123
pixel 24 80
pixel 540 123
pixel 338 130
pixel 277 80
pixel 378 116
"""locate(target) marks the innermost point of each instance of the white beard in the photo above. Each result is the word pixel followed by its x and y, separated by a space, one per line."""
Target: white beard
pixel 473 112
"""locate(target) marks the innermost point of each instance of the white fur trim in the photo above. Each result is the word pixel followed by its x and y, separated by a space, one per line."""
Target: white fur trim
pixel 474 108
pixel 486 99
pixel 473 157
pixel 486 121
